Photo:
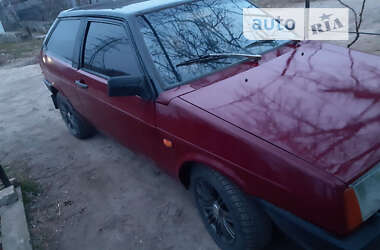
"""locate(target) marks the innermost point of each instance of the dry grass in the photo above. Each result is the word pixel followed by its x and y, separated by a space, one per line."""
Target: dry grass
pixel 12 51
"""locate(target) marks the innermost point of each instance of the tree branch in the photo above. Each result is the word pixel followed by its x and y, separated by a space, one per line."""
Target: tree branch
pixel 358 19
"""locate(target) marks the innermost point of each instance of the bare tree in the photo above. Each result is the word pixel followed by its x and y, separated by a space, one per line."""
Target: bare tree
pixel 358 19
pixel 9 13
pixel 74 3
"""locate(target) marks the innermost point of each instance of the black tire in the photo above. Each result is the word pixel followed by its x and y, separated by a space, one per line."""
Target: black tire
pixel 221 204
pixel 76 124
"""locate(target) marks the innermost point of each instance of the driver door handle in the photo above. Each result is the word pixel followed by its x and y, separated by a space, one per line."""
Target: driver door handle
pixel 80 84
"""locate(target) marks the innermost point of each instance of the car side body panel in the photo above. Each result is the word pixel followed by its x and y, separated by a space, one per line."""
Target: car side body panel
pixel 131 120
pixel 62 76
pixel 258 167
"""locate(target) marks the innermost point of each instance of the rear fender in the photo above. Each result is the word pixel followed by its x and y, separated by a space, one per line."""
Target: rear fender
pixel 53 91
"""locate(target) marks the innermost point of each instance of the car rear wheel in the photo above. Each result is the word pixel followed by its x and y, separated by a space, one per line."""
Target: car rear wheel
pixel 234 222
pixel 77 125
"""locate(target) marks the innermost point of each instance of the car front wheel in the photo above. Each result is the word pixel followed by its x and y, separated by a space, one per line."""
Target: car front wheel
pixel 234 222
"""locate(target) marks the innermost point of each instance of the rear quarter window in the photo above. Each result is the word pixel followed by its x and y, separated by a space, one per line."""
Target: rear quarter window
pixel 62 41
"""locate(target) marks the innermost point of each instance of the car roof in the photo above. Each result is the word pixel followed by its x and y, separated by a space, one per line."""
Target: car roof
pixel 121 8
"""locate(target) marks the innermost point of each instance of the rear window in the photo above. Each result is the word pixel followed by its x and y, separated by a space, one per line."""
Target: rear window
pixel 62 41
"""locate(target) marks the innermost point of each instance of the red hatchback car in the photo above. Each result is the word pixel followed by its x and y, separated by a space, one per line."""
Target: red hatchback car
pixel 264 133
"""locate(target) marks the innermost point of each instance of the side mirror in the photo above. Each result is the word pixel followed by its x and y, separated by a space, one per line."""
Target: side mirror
pixel 125 86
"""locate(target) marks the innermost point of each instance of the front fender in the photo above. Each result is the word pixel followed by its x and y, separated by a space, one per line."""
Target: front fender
pixel 191 159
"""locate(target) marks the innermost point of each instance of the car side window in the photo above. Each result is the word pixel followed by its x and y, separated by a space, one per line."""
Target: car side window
pixel 108 51
pixel 62 41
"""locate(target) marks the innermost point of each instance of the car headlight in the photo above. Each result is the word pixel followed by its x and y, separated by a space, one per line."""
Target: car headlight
pixel 362 198
pixel 353 213
pixel 367 190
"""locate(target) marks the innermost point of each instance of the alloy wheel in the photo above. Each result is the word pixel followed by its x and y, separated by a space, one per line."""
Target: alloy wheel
pixel 69 119
pixel 215 211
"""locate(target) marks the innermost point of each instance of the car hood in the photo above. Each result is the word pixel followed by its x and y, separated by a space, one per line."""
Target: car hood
pixel 319 102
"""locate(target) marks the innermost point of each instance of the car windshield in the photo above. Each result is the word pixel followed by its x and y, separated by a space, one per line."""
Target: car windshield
pixel 180 34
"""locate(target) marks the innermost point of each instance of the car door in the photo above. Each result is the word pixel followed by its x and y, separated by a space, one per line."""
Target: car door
pixel 108 51
pixel 58 56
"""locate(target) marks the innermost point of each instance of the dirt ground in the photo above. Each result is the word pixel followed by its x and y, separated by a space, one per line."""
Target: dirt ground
pixel 93 194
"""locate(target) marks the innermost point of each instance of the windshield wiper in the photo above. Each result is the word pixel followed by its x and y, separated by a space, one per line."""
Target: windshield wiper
pixel 214 57
pixel 261 42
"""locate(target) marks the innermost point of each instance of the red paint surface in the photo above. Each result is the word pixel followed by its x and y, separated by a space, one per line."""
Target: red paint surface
pixel 319 102
pixel 294 129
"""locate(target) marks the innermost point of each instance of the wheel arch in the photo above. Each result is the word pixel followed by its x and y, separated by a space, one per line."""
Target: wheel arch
pixel 54 92
pixel 192 161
